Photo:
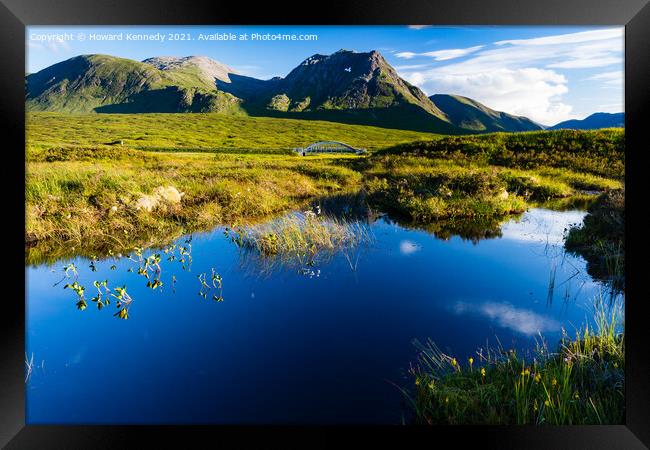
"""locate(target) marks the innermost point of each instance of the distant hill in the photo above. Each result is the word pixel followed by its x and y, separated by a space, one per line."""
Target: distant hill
pixel 103 83
pixel 593 122
pixel 469 114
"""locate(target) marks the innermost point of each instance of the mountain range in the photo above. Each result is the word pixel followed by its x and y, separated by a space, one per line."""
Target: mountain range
pixel 346 86
pixel 594 121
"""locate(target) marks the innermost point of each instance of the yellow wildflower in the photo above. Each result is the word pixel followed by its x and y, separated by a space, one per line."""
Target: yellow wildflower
pixel 471 360
pixel 483 371
pixel 547 403
pixel 554 382
pixel 453 362
pixel 417 381
pixel 538 377
pixel 431 385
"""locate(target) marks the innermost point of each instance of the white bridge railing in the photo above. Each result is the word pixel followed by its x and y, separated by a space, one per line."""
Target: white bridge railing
pixel 329 147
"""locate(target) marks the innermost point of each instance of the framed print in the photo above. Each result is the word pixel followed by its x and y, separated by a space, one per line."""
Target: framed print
pixel 386 220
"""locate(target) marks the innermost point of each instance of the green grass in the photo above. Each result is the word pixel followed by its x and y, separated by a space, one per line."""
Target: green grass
pixel 427 189
pixel 582 381
pixel 201 132
pixel 597 152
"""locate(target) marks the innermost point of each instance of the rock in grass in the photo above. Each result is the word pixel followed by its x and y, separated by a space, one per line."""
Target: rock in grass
pixel 161 195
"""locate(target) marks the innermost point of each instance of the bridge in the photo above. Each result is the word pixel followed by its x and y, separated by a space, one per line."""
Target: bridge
pixel 329 147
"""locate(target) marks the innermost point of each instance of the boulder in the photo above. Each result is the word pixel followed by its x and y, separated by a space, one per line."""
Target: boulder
pixel 167 195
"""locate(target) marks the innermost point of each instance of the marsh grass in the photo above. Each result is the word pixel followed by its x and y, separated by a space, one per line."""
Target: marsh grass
pixel 596 152
pixel 580 382
pixel 600 239
pixel 76 204
pixel 300 240
pixel 426 190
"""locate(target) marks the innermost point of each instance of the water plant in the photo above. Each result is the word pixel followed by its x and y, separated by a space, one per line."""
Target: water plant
pixel 214 285
pixel 124 301
pixel 79 290
pixel 98 298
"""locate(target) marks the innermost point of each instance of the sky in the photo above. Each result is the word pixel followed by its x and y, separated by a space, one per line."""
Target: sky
pixel 548 74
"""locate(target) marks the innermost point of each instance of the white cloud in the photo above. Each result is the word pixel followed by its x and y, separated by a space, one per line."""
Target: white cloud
pixel 442 55
pixel 614 78
pixel 529 92
pixel 570 38
pixel 611 107
pixel 586 63
pixel 521 76
pixel 405 55
pixel 411 66
pixel 419 27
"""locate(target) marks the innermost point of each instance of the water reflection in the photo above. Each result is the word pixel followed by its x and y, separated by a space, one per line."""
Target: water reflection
pixel 320 340
pixel 505 315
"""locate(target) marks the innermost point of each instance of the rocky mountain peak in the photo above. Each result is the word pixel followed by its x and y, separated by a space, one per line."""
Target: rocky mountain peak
pixel 209 69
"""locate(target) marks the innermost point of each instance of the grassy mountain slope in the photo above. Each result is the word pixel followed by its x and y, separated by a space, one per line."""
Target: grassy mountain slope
pixel 105 83
pixel 472 115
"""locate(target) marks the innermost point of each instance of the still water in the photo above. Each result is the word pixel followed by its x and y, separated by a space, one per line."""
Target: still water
pixel 326 344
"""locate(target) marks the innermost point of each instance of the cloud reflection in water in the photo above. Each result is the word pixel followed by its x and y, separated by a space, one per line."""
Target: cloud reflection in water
pixel 505 315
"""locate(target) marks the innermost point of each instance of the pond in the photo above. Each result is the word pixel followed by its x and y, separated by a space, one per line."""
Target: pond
pixel 326 343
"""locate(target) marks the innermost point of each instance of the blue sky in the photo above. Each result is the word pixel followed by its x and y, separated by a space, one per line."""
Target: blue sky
pixel 549 74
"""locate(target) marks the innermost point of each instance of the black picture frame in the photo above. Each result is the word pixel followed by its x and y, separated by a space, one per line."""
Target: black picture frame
pixel 16 14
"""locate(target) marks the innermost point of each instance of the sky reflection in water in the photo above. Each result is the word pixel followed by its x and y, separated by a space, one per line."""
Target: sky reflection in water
pixel 289 347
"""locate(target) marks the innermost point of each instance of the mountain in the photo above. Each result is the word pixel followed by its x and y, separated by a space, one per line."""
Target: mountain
pixel 345 86
pixel 469 114
pixel 201 66
pixel 103 83
pixel 593 122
